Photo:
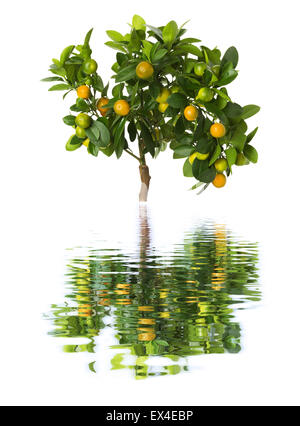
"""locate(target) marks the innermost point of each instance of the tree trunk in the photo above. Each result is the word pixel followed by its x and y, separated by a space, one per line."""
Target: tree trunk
pixel 145 182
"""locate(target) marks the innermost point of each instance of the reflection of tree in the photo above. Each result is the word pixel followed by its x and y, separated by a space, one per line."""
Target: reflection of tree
pixel 171 306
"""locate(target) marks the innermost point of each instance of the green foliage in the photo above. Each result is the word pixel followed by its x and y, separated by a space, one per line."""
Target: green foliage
pixel 173 58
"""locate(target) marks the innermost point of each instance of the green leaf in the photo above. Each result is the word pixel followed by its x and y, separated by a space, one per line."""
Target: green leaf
pixel 115 35
pixel 127 73
pixel 231 55
pixel 80 106
pixel 138 23
pixel 169 33
pixel 233 110
pixel 241 127
pixel 134 93
pixel 183 151
pixel 71 72
pixel 198 167
pixel 188 41
pixel 208 175
pixel 197 185
pixel 203 144
pixel 158 55
pixel 251 153
pixel 249 111
pixel 119 135
pixel 147 49
pixel 69 120
pixel 135 42
pixel 238 140
pixel 117 91
pixel 121 58
pixel 93 149
pixel 75 140
pixel 228 74
pixel 87 37
pixel 215 155
pixel 212 107
pixel 179 127
pixel 93 134
pixel 58 71
pixel 59 87
pixel 104 133
pixel 98 83
pixel 116 46
pixel 132 131
pixel 147 139
pixel 251 135
pixel 222 94
pixel 74 60
pixel 214 55
pixel 189 48
pixel 120 147
pixel 231 155
pixel 52 79
pixel 177 100
pixel 156 31
pixel 187 169
pixel 65 54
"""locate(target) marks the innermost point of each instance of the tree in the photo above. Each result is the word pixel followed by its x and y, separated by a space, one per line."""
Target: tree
pixel 167 92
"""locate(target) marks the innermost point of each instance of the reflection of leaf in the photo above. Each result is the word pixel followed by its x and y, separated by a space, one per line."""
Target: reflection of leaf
pixel 92 366
pixel 116 362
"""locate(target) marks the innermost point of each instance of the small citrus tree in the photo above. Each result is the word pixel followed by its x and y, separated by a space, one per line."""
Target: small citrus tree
pixel 167 91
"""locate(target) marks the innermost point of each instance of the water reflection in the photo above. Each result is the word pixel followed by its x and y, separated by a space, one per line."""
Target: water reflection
pixel 162 308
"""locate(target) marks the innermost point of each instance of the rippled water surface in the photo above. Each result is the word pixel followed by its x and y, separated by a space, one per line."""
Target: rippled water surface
pixel 159 307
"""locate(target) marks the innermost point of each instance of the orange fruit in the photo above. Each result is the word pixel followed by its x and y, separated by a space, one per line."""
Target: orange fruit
pixel 163 96
pixel 83 92
pixel 221 165
pixel 100 104
pixel 144 70
pixel 191 113
pixel 90 66
pixel 217 130
pixel 219 181
pixel 162 107
pixel 121 107
pixel 83 120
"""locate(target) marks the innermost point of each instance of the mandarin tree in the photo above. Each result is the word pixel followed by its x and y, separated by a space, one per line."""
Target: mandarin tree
pixel 168 91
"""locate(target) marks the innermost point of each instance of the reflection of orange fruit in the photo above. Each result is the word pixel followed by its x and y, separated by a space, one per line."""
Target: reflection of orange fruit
pixel 146 308
pixel 146 329
pixel 120 292
pixel 164 314
pixel 85 311
pixel 146 337
pixel 104 302
pixel 123 285
pixel 147 321
pixel 123 302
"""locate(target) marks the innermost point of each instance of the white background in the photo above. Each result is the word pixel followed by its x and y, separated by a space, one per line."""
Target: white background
pixel 52 199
